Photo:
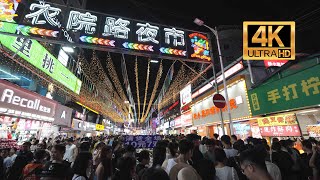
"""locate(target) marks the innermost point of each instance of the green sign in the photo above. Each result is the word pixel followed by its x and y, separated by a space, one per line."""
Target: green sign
pixel 37 55
pixel 298 90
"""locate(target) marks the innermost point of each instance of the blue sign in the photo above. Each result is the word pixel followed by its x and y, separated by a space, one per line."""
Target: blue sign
pixel 142 141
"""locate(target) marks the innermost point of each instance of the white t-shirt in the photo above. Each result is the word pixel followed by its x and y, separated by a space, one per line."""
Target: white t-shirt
pixel 70 154
pixel 226 173
pixel 170 164
pixel 273 170
pixel 230 152
pixel 78 177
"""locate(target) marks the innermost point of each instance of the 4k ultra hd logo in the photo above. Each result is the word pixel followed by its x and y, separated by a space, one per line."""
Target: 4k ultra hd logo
pixel 269 40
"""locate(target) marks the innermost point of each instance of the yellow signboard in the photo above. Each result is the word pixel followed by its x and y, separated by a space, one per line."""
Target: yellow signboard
pixel 99 127
pixel 280 120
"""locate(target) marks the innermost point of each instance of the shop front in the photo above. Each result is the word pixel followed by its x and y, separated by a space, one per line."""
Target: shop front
pixel 62 120
pixel 183 123
pixel 89 129
pixel 205 113
pixel 293 90
pixel 24 114
pixel 77 127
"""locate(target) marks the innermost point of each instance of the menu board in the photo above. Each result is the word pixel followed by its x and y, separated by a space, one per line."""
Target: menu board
pixel 313 130
pixel 279 125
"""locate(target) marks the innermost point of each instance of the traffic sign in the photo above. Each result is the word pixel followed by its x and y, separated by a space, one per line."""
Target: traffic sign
pixel 219 101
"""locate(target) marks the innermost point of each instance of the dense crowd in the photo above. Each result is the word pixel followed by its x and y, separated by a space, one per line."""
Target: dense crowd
pixel 175 157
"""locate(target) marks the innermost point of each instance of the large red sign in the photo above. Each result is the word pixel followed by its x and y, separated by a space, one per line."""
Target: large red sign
pixel 277 131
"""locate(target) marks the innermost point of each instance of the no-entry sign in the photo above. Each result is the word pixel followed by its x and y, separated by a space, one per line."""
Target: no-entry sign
pixel 219 101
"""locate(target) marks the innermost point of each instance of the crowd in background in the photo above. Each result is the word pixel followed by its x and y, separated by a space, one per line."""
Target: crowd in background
pixel 182 157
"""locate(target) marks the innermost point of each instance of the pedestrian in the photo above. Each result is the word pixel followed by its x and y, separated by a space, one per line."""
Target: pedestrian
pixel 144 160
pixel 253 165
pixel 31 170
pixel 126 169
pixel 83 166
pixel 222 171
pixel 228 149
pixel 71 151
pixel 104 169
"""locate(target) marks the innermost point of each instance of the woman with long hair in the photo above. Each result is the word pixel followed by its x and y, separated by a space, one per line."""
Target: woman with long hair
pixel 104 169
pixel 82 167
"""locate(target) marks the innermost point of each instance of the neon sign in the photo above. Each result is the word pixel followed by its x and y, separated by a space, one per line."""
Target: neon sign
pixel 200 46
pixel 95 40
pixel 7 10
pixel 125 35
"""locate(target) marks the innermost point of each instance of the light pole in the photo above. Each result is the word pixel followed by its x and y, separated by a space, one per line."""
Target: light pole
pixel 214 31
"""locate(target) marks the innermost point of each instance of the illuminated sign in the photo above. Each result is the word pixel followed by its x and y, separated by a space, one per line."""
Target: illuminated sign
pixel 276 63
pixel 185 95
pixel 234 69
pixel 18 99
pixel 115 33
pixel 8 9
pixel 280 120
pixel 313 130
pixel 200 45
pixel 38 56
pixel 205 112
pixel 277 131
pixel 99 127
pixel 280 125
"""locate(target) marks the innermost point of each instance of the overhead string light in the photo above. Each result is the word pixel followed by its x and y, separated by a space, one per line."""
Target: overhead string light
pixel 154 91
pixel 99 71
pixel 115 79
pixel 102 87
pixel 137 86
pixel 146 90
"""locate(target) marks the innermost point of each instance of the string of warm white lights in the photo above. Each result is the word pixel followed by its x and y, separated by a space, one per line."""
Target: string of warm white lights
pixel 115 79
pixel 172 95
pixel 146 90
pixel 137 86
pixel 100 75
pixel 153 94
pixel 103 102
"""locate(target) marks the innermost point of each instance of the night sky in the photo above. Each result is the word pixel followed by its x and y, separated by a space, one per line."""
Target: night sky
pixel 306 14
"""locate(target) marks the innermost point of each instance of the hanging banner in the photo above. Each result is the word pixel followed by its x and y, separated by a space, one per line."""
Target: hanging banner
pixel 142 141
pixel 114 33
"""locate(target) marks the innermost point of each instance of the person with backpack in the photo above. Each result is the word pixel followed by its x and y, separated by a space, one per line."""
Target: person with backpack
pixel 31 170
pixel 57 169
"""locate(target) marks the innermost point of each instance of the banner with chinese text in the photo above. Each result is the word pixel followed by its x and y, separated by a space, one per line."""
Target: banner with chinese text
pixel 279 120
pixel 142 141
pixel 38 56
pixel 117 34
pixel 298 90
pixel 278 131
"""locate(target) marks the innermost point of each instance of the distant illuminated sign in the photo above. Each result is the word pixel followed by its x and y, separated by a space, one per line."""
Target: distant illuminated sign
pixel 274 63
pixel 118 33
pixel 8 9
pixel 234 69
pixel 200 45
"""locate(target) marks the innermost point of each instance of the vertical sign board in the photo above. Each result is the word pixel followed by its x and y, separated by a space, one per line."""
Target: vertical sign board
pixel 114 33
pixel 185 96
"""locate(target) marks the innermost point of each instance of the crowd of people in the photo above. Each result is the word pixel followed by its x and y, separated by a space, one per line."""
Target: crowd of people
pixel 175 157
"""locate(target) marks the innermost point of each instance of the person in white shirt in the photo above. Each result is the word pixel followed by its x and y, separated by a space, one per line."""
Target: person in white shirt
pixel 226 142
pixel 224 172
pixel 71 151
